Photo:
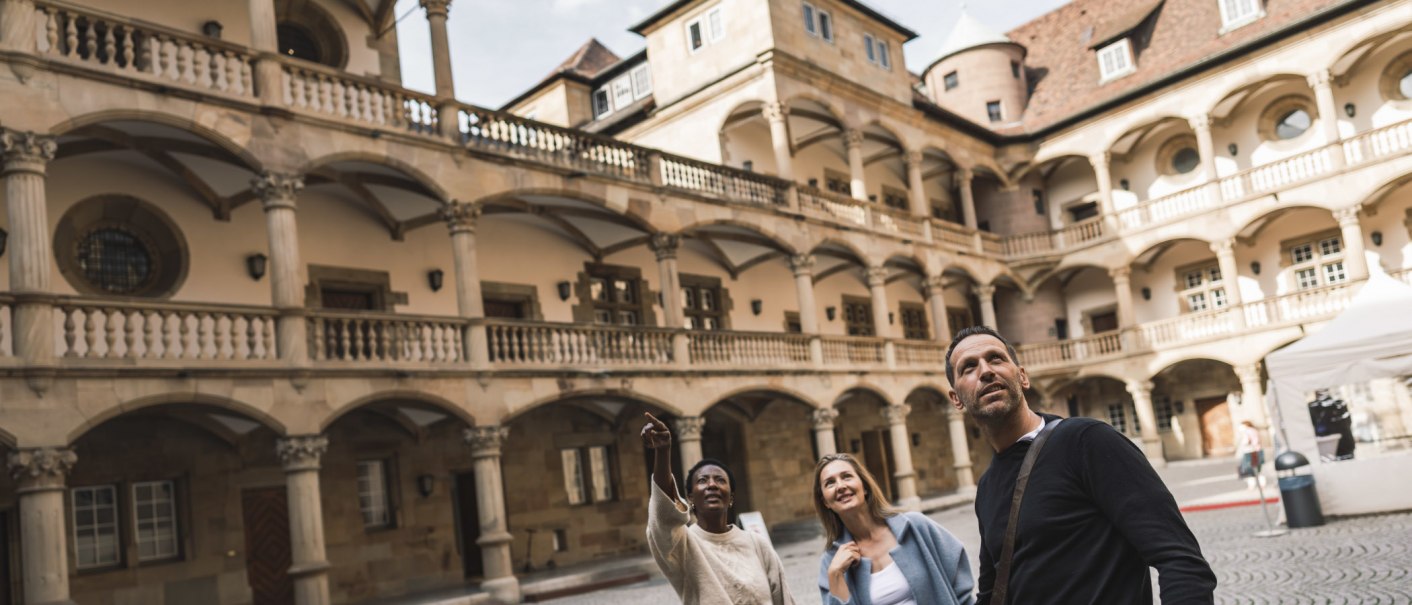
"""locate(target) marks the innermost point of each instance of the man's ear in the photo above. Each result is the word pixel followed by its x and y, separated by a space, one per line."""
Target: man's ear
pixel 1024 378
pixel 955 400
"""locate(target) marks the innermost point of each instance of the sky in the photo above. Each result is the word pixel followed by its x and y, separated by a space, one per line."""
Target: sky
pixel 500 48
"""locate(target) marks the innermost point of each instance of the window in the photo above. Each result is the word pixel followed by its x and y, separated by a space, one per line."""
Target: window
pixel 1040 207
pixel 1118 417
pixel 894 198
pixel 622 92
pixel 154 519
pixel 373 498
pixel 914 321
pixel 992 109
pixel 884 56
pixel 1015 69
pixel 868 46
pixel 951 80
pixel 810 20
pixel 837 182
pixel 588 474
pixel 1292 124
pixel 615 295
pixel 1202 288
pixel 116 260
pixel 1235 13
pixel 825 26
pixel 695 38
pixel 1318 262
pixel 601 104
pixel 716 24
pixel 1115 60
pixel 818 22
pixel 641 82
pixel 95 526
pixel 877 51
pixel 1165 411
pixel 1404 84
pixel 858 316
pixel 701 302
pixel 1185 160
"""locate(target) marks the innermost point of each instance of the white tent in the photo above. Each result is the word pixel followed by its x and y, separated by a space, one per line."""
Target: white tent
pixel 1371 339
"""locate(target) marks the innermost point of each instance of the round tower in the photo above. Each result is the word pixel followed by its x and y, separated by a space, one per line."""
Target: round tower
pixel 980 75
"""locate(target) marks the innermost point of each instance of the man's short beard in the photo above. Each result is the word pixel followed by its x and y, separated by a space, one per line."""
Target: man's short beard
pixel 1012 401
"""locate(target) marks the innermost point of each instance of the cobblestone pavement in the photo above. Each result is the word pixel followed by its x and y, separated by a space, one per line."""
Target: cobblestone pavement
pixel 1355 560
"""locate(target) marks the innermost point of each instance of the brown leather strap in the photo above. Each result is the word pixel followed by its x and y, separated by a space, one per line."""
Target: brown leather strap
pixel 1002 572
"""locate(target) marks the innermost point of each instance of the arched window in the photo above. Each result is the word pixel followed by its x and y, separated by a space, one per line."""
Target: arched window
pixel 295 41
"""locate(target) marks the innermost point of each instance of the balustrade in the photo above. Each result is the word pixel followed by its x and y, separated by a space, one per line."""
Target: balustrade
pixel 721 181
pixel 749 349
pixel 832 206
pixel 366 337
pixel 920 354
pixel 1378 144
pixel 1167 207
pixel 331 93
pixel 1277 175
pixel 564 147
pixel 108 329
pixel 521 343
pixel 853 350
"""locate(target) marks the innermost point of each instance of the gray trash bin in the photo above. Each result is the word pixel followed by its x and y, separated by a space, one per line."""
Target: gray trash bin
pixel 1297 491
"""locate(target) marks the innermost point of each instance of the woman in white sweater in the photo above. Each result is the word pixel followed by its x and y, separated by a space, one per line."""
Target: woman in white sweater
pixel 711 561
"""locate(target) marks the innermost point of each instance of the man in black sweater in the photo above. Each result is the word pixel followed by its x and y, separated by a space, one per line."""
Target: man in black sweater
pixel 1095 515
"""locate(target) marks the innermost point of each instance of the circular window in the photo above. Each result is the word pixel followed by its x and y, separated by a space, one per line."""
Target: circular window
pixel 1186 160
pixel 1396 80
pixel 115 260
pixel 1178 156
pixel 1404 84
pixel 115 245
pixel 1292 124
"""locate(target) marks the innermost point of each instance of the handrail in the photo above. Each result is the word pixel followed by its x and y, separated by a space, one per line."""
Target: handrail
pixel 724 181
pixel 565 147
pixel 323 90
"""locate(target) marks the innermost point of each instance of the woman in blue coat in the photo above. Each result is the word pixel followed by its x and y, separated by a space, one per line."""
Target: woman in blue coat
pixel 877 555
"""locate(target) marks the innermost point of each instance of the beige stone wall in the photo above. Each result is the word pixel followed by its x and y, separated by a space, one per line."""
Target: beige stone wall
pixel 1088 291
pixel 780 463
pixel 936 472
pixel 564 103
pixel 846 55
pixel 678 71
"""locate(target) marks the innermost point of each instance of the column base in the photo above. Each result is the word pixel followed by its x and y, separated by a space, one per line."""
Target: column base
pixel 502 590
pixel 909 504
pixel 966 490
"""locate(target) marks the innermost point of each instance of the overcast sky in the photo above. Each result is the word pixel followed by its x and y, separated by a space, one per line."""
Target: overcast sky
pixel 499 48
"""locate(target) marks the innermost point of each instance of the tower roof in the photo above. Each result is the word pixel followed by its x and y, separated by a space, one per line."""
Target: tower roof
pixel 969 33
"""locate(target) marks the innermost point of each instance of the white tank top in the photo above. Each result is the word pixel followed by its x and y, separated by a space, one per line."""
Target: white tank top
pixel 889 587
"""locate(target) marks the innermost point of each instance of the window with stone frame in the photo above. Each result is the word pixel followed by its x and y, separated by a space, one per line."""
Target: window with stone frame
pixel 155 520
pixel 1200 287
pixel 858 316
pixel 1165 411
pixel 95 526
pixel 894 198
pixel 1118 417
pixel 588 474
pixel 958 318
pixel 792 323
pixel 1316 261
pixel 1115 60
pixel 375 493
pixel 616 295
pixel 914 321
pixel 703 302
pixel 837 182
pixel 1235 13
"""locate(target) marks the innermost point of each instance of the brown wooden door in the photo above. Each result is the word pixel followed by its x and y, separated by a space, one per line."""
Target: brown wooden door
pixel 468 524
pixel 267 551
pixel 1217 433
pixel 877 456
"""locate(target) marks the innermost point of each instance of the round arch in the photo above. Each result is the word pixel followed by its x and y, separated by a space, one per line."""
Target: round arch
pixel 785 393
pixel 862 257
pixel 870 389
pixel 416 174
pixel 410 396
pixel 512 198
pixel 199 399
pixel 220 140
pixel 781 242
pixel 629 395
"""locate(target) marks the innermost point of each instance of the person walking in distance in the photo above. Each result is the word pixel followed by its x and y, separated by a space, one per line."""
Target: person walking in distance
pixel 1070 511
pixel 1247 443
pixel 708 562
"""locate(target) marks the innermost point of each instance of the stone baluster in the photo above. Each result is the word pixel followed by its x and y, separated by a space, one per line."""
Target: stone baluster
pixel 1151 440
pixel 777 114
pixel 960 450
pixel 25 157
pixel 824 439
pixel 902 473
pixel 40 475
pixel 500 582
pixel 461 219
pixel 278 193
pixel 301 456
pixel 853 143
pixel 688 430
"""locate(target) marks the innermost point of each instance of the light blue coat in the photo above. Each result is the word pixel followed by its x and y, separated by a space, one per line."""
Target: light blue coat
pixel 933 561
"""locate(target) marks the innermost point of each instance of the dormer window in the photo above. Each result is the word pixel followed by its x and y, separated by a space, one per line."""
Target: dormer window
pixel 877 51
pixel 1235 13
pixel 602 105
pixel 1115 60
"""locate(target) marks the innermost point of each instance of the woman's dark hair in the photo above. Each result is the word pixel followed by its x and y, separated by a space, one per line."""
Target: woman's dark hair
pixel 691 474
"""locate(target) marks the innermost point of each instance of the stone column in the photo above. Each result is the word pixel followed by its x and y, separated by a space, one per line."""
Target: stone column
pixel 1225 258
pixel 689 439
pixel 461 219
pixel 960 451
pixel 1354 262
pixel 301 456
pixel 437 11
pixel 1205 147
pixel 1101 174
pixel 877 287
pixel 1122 286
pixel 986 294
pixel 39 475
pixel 824 439
pixel 935 289
pixel 264 40
pixel 777 114
pixel 26 156
pixel 1322 83
pixel 905 476
pixel 665 246
pixel 278 192
pixel 1252 396
pixel 1147 422
pixel 853 144
pixel 964 178
pixel 494 541
pixel 803 267
pixel 17 26
pixel 916 188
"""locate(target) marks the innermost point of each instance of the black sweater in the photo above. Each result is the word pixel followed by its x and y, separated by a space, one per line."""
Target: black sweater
pixel 1095 516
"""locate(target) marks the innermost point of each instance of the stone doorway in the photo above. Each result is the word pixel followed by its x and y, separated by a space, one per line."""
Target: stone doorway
pixel 1217 433
pixel 267 549
pixel 468 524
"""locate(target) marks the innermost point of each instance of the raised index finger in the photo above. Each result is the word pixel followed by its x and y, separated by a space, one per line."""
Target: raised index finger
pixel 653 420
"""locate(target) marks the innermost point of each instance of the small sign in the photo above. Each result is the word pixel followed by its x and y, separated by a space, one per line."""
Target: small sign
pixel 754 522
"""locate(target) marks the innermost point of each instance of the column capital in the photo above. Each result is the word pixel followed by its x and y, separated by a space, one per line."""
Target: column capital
pixel 277 189
pixel 913 159
pixel 964 175
pixel 664 245
pixel 876 276
pixel 301 452
pixel 1200 122
pixel 1348 215
pixel 824 418
pixel 689 427
pixel 41 468
pixel 802 264
pixel 897 414
pixel 26 147
pixel 1139 388
pixel 852 138
pixel 486 441
pixel 460 217
pixel 934 285
pixel 1249 372
pixel 984 290
pixel 1225 246
pixel 1102 158
pixel 775 111
pixel 1320 79
pixel 1123 273
pixel 436 7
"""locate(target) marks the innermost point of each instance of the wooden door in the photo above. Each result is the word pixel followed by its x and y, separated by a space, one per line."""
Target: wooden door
pixel 1217 432
pixel 877 456
pixel 267 550
pixel 468 524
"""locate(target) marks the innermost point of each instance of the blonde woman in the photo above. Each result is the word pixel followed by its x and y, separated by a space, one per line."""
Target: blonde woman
pixel 877 555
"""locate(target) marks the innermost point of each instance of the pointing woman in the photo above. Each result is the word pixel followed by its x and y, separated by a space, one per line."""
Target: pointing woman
pixel 878 556
pixel 711 561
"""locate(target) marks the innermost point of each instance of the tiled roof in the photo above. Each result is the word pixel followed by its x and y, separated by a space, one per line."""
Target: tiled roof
pixel 588 60
pixel 1063 68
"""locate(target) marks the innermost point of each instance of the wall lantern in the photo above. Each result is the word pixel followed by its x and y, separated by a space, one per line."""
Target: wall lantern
pixel 748 165
pixel 1123 183
pixel 1350 109
pixel 1233 149
pixel 1146 293
pixel 4 236
pixel 426 485
pixel 563 288
pixel 255 265
pixel 756 306
pixel 212 29
pixel 1255 267
pixel 829 312
pixel 436 278
pixel 1376 235
pixel 890 318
